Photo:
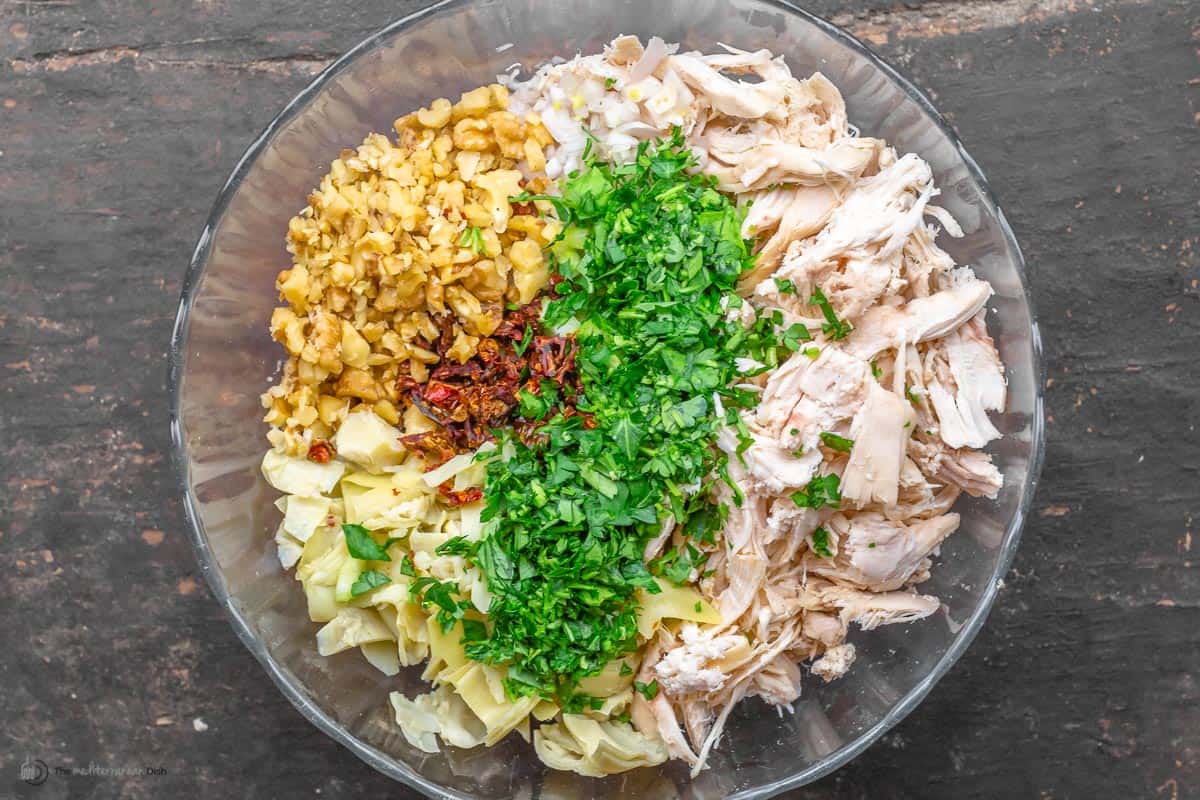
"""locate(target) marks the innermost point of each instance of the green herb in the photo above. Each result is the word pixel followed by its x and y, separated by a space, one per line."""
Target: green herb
pixel 794 335
pixel 520 347
pixel 812 352
pixel 785 286
pixel 834 327
pixel 625 669
pixel 363 546
pixel 838 443
pixel 450 609
pixel 646 690
pixel 406 567
pixel 456 546
pixel 531 406
pixel 697 607
pixel 745 440
pixel 610 83
pixel 871 546
pixel 628 436
pixel 876 371
pixel 912 395
pixel 368 580
pixel 821 491
pixel 649 258
pixel 472 237
pixel 821 543
pixel 473 630
pixel 676 565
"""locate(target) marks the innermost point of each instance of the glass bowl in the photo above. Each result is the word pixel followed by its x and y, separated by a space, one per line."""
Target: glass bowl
pixel 222 358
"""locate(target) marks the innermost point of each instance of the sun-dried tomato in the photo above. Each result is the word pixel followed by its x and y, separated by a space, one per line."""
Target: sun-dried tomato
pixel 489 404
pixel 442 395
pixel 435 447
pixel 320 451
pixel 445 335
pixel 471 370
pixel 553 357
pixel 471 400
pixel 406 382
pixel 529 433
pixel 488 350
pixel 515 321
pixel 461 497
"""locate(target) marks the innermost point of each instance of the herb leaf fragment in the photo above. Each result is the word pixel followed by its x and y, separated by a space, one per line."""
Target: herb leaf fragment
pixel 363 546
pixel 821 491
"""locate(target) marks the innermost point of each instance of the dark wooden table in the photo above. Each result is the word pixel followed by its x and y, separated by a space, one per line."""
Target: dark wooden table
pixel 119 120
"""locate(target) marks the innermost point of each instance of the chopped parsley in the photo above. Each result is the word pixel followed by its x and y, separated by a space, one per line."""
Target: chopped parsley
pixel 520 347
pixel 784 286
pixel 456 546
pixel 876 371
pixel 821 543
pixel 363 546
pixel 646 690
pixel 535 406
pixel 838 443
pixel 676 565
pixel 649 259
pixel 473 630
pixel 911 394
pixel 794 335
pixel 610 83
pixel 832 326
pixel 450 609
pixel 368 580
pixel 821 491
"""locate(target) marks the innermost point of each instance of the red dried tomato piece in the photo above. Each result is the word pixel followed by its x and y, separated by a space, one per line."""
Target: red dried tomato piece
pixel 433 446
pixel 442 395
pixel 461 497
pixel 320 451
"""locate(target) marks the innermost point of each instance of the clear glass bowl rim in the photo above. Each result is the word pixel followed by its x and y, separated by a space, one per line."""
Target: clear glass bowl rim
pixel 398 770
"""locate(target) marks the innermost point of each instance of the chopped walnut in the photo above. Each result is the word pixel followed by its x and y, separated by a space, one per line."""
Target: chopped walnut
pixel 401 241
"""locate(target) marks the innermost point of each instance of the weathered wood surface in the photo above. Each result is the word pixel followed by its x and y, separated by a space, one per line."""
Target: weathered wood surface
pixel 120 120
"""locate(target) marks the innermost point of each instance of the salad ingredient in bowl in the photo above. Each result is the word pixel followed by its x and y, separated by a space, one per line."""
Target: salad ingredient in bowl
pixel 616 395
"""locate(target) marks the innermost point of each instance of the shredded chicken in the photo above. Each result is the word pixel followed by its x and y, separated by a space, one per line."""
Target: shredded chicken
pixel 835 662
pixel 880 431
pixel 897 409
